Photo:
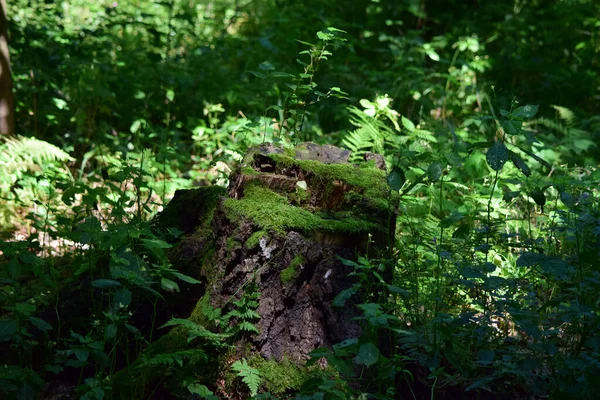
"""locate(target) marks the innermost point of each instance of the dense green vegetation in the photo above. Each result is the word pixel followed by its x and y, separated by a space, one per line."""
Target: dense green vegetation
pixel 486 113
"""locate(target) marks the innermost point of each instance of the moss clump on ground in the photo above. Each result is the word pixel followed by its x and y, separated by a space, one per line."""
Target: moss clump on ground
pixel 272 211
pixel 281 377
pixel 292 271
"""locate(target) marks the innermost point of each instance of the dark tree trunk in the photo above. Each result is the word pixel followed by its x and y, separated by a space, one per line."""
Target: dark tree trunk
pixel 7 119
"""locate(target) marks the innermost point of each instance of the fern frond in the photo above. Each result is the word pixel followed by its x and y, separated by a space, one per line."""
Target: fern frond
pixel 20 153
pixel 250 376
pixel 174 358
pixel 371 135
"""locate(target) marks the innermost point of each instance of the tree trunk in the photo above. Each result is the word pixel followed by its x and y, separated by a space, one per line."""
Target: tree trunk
pixel 7 121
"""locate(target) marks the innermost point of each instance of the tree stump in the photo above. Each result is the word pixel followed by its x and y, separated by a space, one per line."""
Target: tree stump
pixel 288 218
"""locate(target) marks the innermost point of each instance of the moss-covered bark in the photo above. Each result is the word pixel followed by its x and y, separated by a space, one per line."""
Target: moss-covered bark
pixel 288 217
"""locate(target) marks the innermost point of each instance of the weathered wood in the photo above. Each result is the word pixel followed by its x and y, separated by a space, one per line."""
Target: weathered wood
pixel 288 217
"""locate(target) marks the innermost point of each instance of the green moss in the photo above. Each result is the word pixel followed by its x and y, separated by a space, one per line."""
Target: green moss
pixel 280 377
pixel 249 171
pixel 364 176
pixel 272 211
pixel 254 239
pixel 292 271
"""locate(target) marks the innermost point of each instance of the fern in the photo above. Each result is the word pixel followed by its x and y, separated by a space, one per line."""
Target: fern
pixel 173 358
pixel 198 331
pixel 371 135
pixel 18 154
pixel 250 376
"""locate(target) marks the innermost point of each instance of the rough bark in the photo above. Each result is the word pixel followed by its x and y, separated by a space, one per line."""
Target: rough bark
pixel 287 219
pixel 7 122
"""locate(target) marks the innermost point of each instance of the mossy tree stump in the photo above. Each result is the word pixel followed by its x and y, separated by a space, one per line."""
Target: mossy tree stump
pixel 288 216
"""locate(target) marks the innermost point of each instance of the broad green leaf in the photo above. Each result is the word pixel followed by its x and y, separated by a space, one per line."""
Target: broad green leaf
pixel 509 196
pixel 170 95
pixel 539 197
pixel 122 297
pixel 408 124
pixel 519 163
pixel 527 111
pixel 368 354
pixel 434 171
pixel 8 328
pixel 40 324
pixel 169 285
pixel 266 66
pixel 396 179
pixel 105 283
pixel 202 391
pixel 497 155
pixel 529 259
pixel 486 356
pixel 110 332
pixel 398 290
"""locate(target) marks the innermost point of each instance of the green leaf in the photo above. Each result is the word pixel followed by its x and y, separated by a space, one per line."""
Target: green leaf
pixel 202 391
pixel 539 197
pixel 496 156
pixel 407 123
pixel 169 285
pixel 529 259
pixel 368 354
pixel 527 111
pixel 486 356
pixel 105 283
pixel 342 297
pixel 266 66
pixel 509 196
pixel 170 95
pixel 40 324
pixel 519 163
pixel 185 278
pixel 122 297
pixel 155 244
pixel 110 332
pixel 250 376
pixel 8 328
pixel 434 171
pixel 396 179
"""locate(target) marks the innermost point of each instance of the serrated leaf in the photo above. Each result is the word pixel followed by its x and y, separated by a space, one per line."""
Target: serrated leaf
pixel 519 163
pixel 396 179
pixel 368 354
pixel 496 156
